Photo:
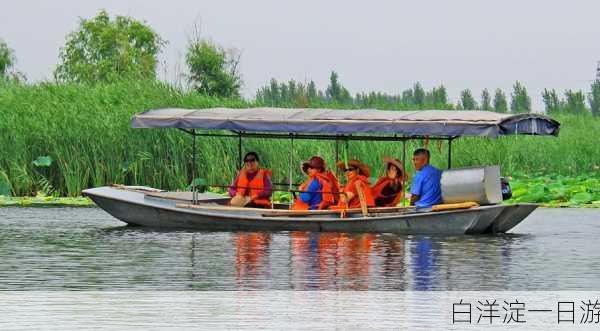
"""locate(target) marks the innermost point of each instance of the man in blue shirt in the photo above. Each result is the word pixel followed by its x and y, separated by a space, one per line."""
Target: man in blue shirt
pixel 425 189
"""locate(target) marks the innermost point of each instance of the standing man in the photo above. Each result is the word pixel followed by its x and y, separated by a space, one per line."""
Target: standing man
pixel 425 189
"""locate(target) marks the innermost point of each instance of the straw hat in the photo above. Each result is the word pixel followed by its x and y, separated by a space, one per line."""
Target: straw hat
pixel 314 162
pixel 398 164
pixel 240 201
pixel 362 168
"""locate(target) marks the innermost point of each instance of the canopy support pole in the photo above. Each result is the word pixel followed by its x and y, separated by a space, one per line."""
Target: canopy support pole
pixel 404 175
pixel 337 150
pixel 449 153
pixel 291 160
pixel 347 148
pixel 337 156
pixel 450 150
pixel 240 162
pixel 194 191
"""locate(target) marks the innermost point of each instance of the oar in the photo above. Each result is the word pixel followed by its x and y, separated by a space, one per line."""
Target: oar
pixel 362 199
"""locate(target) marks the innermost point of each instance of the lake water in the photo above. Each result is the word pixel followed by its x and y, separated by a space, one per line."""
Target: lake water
pixel 86 249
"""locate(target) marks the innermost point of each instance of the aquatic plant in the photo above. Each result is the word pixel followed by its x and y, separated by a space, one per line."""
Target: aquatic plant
pixel 557 190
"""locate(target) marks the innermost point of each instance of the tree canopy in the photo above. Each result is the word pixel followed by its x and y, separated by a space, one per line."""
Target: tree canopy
pixel 520 101
pixel 7 59
pixel 551 101
pixel 104 49
pixel 213 71
pixel 467 102
pixel 594 98
pixel 486 100
pixel 336 92
pixel 500 104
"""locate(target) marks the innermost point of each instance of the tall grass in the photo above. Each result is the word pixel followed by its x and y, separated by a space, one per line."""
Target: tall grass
pixel 86 130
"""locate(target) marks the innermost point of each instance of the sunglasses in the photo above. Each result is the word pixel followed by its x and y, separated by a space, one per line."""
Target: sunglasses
pixel 249 160
pixel 349 169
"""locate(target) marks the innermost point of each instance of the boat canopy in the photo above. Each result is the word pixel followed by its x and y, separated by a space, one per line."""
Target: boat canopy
pixel 448 123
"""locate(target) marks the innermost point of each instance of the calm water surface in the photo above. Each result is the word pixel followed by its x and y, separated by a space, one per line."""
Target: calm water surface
pixel 85 248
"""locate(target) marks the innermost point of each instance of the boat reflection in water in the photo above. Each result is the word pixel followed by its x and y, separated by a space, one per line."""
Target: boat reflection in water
pixel 54 255
pixel 252 249
pixel 342 261
pixel 423 263
pixel 335 261
pixel 331 260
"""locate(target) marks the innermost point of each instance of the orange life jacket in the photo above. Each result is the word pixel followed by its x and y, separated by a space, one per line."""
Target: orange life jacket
pixel 251 250
pixel 355 201
pixel 378 189
pixel 254 187
pixel 327 195
pixel 335 186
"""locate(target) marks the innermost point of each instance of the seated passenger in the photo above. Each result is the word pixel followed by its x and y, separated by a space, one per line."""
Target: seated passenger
pixel 252 187
pixel 425 189
pixel 320 188
pixel 357 172
pixel 389 190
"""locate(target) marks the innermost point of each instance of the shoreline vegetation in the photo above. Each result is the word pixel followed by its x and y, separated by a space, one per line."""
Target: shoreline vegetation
pixel 63 138
pixel 548 191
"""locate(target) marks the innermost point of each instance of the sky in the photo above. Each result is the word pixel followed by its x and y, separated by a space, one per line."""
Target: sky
pixel 372 45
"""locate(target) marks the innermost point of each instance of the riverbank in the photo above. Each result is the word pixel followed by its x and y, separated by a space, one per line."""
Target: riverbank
pixel 548 191
pixel 41 201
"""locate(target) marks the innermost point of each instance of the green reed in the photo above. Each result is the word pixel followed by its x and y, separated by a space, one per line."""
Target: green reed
pixel 86 131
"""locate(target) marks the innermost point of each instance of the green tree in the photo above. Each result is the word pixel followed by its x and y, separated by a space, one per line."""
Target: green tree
pixel 575 102
pixel 500 104
pixel 437 98
pixel 301 96
pixel 418 95
pixel 275 95
pixel 551 101
pixel 467 101
pixel 7 59
pixel 213 71
pixel 284 93
pixel 520 101
pixel 594 98
pixel 335 92
pixel 312 91
pixel 408 97
pixel 486 100
pixel 102 50
pixel 334 89
pixel 346 97
pixel 293 89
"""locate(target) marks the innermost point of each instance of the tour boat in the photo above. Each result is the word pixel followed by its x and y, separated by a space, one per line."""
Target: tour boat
pixel 152 207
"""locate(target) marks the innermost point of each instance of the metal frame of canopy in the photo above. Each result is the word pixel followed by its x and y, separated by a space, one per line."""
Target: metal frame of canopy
pixel 291 136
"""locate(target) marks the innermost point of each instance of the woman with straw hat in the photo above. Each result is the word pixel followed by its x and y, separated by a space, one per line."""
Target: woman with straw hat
pixel 320 188
pixel 357 174
pixel 389 189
